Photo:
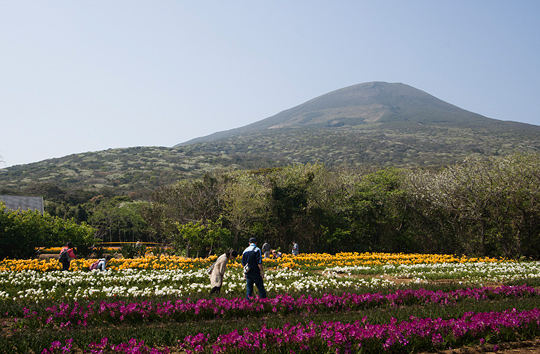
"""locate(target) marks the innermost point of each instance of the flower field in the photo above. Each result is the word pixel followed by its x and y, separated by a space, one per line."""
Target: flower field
pixel 305 261
pixel 344 303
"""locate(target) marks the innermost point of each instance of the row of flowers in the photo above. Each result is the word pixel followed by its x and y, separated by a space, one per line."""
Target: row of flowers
pixel 416 334
pixel 68 315
pixel 134 283
pixel 131 347
pixel 473 272
pixel 148 262
pixel 302 261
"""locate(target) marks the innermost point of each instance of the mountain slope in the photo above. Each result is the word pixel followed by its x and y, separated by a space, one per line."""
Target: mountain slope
pixel 368 103
pixel 374 123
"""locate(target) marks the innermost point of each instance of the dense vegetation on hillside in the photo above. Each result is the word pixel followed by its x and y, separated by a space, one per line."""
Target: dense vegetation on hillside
pixel 141 170
pixel 392 144
pixel 138 170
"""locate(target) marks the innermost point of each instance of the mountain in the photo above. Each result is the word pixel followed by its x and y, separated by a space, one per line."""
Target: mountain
pixel 376 123
pixel 363 104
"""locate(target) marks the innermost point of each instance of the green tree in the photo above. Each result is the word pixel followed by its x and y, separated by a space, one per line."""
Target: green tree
pixel 203 238
pixel 22 231
pixel 484 206
pixel 514 213
pixel 119 219
pixel 289 218
pixel 245 204
pixel 191 200
pixel 376 214
pixel 184 202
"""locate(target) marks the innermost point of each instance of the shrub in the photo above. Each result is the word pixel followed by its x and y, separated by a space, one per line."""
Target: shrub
pixel 22 231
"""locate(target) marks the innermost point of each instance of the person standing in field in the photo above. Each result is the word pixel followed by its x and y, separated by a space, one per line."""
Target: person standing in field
pixel 295 248
pixel 218 270
pixel 253 269
pixel 66 255
pixel 266 249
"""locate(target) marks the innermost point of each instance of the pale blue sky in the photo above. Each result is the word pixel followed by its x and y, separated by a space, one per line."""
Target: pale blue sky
pixel 78 76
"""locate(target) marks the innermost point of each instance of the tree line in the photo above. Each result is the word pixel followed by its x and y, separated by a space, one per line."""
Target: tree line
pixel 482 206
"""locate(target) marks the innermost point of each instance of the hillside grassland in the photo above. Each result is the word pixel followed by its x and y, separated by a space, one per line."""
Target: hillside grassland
pixel 143 169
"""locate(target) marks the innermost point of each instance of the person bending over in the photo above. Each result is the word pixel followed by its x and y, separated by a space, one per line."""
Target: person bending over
pixel 218 270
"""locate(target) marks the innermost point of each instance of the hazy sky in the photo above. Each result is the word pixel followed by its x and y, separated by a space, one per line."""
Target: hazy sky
pixel 78 76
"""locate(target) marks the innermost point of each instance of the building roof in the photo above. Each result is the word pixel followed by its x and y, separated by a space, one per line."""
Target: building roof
pixel 13 202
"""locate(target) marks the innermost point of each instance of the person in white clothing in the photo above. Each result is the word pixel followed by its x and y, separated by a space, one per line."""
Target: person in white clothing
pixel 218 270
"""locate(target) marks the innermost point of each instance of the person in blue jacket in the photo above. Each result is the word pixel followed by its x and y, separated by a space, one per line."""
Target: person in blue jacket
pixel 254 272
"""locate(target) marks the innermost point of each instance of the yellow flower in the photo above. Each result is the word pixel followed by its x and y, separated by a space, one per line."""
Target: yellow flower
pixel 305 260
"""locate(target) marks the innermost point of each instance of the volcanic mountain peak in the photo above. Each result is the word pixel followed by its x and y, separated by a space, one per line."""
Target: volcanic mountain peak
pixel 367 103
